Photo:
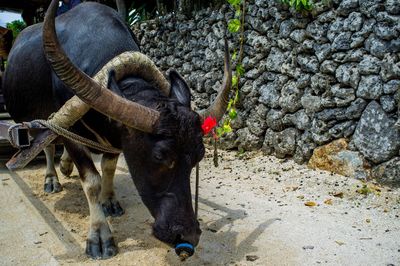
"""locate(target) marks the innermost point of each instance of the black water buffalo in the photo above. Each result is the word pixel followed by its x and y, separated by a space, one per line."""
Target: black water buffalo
pixel 159 134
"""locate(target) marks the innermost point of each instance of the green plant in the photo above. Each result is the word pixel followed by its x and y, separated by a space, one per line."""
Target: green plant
pixel 16 27
pixel 138 14
pixel 299 5
pixel 235 25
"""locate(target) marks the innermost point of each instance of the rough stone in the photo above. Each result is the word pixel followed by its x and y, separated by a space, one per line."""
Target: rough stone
pixel 290 97
pixel 328 67
pixel 284 142
pixel 354 22
pixel 370 65
pixel 248 141
pixel 388 103
pixel 335 157
pixel 311 103
pixel 322 51
pixel 228 141
pixel 335 28
pixel 308 63
pixel 371 7
pixel 275 59
pixel 390 68
pixel 269 95
pixel 299 119
pixel 331 114
pixel 370 87
pixel 317 31
pixel 388 172
pixel 274 119
pixel 376 46
pixel 375 136
pixel 347 6
pixel 385 31
pixel 393 7
pixel 305 147
pixel 356 108
pixel 391 86
pixel 319 131
pixel 321 83
pixel 342 42
pixel 344 129
pixel 342 96
pixel 256 122
pixel 348 75
pixel 298 35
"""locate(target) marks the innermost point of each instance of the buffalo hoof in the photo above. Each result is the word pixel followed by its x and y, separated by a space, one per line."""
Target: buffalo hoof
pixel 99 249
pixel 112 208
pixel 52 185
pixel 66 167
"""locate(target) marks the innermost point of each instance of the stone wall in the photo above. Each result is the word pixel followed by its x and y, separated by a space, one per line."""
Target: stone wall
pixel 310 79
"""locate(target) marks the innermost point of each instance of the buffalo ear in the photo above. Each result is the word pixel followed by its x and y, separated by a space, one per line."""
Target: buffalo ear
pixel 113 85
pixel 179 89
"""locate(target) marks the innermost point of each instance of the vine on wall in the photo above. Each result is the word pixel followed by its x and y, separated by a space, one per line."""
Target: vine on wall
pixel 235 26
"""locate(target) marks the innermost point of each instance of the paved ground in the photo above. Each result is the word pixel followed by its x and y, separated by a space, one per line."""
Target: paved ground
pixel 253 212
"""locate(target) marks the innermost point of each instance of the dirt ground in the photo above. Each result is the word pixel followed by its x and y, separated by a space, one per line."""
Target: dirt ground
pixel 253 211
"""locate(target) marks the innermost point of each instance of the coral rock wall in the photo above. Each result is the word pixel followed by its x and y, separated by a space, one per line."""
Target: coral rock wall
pixel 310 79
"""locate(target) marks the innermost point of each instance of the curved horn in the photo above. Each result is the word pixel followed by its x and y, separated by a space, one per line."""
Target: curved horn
pixel 218 107
pixel 99 98
pixel 138 64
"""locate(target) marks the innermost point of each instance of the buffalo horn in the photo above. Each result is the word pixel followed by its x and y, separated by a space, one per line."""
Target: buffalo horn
pixel 218 107
pixel 99 98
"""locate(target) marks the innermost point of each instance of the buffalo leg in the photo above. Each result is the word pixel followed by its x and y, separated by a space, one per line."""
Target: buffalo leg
pixel 100 242
pixel 51 183
pixel 111 206
pixel 66 164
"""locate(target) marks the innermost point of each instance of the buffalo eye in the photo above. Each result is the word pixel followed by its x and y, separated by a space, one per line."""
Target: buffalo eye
pixel 163 156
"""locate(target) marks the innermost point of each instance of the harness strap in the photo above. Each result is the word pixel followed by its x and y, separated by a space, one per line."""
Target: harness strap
pixel 76 138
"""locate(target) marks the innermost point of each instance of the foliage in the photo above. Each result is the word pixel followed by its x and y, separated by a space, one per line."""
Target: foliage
pixel 305 5
pixel 235 25
pixel 138 14
pixel 16 26
pixel 299 5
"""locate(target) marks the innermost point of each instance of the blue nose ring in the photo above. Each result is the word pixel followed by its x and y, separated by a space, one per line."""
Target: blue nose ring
pixel 184 250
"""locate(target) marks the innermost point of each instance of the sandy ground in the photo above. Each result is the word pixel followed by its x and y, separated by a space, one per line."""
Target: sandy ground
pixel 252 212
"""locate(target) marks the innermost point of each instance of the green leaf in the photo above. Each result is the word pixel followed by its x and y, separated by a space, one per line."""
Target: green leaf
pixel 227 128
pixel 234 55
pixel 238 12
pixel 229 104
pixel 232 113
pixel 234 25
pixel 239 70
pixel 234 80
pixel 220 131
pixel 236 97
pixel 234 2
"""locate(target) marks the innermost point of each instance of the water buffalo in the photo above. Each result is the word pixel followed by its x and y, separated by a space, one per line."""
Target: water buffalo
pixel 158 133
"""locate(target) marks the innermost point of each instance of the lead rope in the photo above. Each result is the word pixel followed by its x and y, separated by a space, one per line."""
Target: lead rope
pixel 76 138
pixel 196 195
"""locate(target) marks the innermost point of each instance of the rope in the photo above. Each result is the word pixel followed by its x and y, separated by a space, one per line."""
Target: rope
pixel 196 195
pixel 76 138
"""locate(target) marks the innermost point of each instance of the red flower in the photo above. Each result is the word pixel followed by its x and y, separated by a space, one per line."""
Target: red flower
pixel 208 124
